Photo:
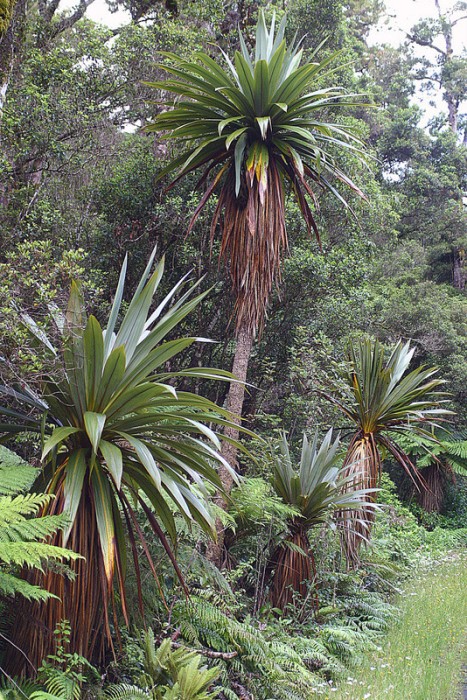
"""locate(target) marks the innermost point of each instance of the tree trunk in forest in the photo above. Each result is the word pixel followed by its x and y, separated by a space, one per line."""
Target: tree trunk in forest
pixel 234 405
pixel 445 73
pixel 11 40
pixel 431 498
pixel 459 272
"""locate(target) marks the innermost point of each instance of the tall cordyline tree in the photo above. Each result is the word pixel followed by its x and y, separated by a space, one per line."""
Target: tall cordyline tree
pixel 254 127
pixel 118 438
pixel 384 402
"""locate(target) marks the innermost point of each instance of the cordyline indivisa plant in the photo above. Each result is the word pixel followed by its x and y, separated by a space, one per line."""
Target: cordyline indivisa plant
pixel 318 489
pixel 383 401
pixel 254 126
pixel 119 439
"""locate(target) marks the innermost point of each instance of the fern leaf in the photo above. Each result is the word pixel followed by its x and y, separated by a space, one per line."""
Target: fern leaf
pixel 33 554
pixel 22 534
pixel 16 475
pixel 123 691
pixel 11 586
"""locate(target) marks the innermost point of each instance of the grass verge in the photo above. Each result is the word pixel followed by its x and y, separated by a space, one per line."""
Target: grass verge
pixel 422 656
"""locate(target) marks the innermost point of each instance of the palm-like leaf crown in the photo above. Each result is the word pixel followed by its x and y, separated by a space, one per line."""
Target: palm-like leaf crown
pixel 317 489
pixel 256 125
pixel 385 400
pixel 123 434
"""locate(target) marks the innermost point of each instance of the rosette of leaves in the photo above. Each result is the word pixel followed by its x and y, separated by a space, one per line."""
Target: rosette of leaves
pixel 169 674
pixel 384 401
pixel 255 126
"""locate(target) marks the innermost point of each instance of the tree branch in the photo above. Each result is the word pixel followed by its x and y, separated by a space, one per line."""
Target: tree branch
pixel 50 9
pixel 459 19
pixel 423 42
pixel 67 22
pixel 429 78
pixel 208 653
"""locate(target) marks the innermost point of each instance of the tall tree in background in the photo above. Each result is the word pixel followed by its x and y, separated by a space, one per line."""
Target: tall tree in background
pixel 448 71
pixel 255 127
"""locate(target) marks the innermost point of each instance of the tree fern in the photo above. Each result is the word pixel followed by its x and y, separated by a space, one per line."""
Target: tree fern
pixel 442 447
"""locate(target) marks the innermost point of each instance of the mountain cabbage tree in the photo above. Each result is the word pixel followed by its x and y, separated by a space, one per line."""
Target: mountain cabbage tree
pixel 118 438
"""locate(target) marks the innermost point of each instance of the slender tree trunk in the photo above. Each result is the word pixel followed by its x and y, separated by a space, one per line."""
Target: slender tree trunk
pixel 453 109
pixel 234 405
pixel 459 271
pixel 431 498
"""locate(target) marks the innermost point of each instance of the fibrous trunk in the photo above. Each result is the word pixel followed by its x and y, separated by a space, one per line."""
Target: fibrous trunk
pixel 254 238
pixel 363 465
pixel 295 572
pixel 83 600
pixel 431 497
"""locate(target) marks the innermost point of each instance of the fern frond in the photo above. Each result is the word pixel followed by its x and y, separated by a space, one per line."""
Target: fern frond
pixel 16 475
pixel 276 665
pixel 17 689
pixel 22 534
pixel 15 525
pixel 123 691
pixel 16 508
pixel 11 586
pixel 61 685
pixel 33 554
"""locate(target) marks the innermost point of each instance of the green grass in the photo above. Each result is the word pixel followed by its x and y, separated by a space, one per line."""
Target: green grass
pixel 422 656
